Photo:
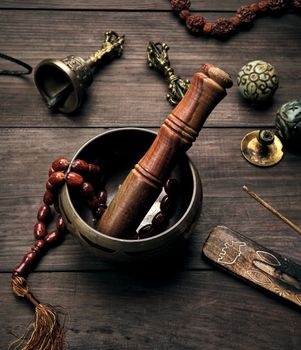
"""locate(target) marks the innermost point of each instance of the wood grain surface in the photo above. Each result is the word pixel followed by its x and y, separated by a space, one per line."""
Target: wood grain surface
pixel 141 5
pixel 170 310
pixel 180 302
pixel 127 92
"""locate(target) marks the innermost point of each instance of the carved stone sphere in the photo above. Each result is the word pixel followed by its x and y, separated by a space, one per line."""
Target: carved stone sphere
pixel 257 81
pixel 288 123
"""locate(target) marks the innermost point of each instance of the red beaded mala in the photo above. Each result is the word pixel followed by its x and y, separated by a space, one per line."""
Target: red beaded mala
pixel 244 17
pixel 46 332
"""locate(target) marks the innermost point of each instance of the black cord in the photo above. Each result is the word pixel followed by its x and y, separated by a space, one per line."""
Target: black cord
pixel 15 72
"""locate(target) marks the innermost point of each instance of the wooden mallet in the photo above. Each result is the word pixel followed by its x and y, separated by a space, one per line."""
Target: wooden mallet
pixel 176 135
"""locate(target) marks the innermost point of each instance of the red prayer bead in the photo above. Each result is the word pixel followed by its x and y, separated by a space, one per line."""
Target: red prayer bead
pixel 60 164
pixel 79 165
pixel 99 211
pixel 94 169
pixel 39 245
pixel 44 213
pixel 60 225
pixel 48 198
pixel 26 264
pixel 39 230
pixel 50 187
pixel 166 205
pixel 171 187
pixel 146 231
pixel 57 178
pixel 87 190
pixel 74 179
pixel 102 196
pixel 159 221
pixel 52 237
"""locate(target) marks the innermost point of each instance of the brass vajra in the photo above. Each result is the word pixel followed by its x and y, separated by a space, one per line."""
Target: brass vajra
pixel 158 58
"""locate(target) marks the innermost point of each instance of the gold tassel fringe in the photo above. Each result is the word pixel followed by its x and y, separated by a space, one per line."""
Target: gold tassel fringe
pixel 46 332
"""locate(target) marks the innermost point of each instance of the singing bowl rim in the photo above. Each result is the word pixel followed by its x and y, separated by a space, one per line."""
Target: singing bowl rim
pixel 137 242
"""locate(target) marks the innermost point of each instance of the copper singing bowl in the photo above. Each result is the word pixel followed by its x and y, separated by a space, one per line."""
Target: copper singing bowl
pixel 117 151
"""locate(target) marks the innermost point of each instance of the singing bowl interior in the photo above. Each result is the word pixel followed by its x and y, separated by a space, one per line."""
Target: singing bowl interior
pixel 117 151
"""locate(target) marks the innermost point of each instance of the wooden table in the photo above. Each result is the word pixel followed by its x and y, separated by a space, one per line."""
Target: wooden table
pixel 186 304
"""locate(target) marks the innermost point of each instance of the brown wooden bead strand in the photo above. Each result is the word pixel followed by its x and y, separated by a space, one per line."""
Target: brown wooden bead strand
pixel 245 16
pixel 96 203
pixel 43 239
pixel 160 220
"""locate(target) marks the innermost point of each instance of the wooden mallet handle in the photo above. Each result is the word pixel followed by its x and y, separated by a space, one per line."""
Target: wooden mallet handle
pixel 176 135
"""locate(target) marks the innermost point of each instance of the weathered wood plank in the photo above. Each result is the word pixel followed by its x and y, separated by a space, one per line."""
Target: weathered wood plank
pixel 26 154
pixel 126 92
pixel 162 309
pixel 154 5
pixel 243 216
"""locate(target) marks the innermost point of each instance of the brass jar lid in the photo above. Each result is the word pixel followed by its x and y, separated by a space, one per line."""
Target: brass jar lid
pixel 262 148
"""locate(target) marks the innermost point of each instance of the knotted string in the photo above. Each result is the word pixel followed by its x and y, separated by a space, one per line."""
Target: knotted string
pixel 45 332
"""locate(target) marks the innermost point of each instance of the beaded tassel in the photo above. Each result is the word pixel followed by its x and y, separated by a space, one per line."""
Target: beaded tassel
pixel 47 332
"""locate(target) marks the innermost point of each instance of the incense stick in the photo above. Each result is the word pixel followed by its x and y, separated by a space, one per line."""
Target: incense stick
pixel 271 209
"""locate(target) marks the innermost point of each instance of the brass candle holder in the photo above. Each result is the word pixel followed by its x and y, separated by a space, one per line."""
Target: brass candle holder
pixel 62 83
pixel 262 148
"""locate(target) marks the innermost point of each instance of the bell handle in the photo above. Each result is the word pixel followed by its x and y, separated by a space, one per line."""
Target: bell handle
pixel 112 46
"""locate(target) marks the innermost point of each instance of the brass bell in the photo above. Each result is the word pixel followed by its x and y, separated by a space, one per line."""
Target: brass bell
pixel 262 148
pixel 62 83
